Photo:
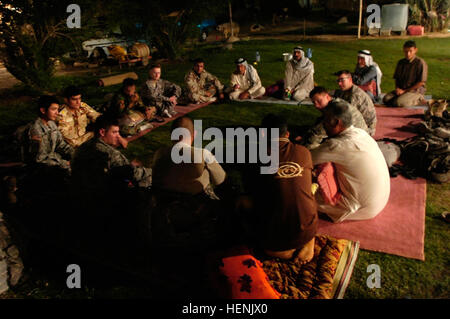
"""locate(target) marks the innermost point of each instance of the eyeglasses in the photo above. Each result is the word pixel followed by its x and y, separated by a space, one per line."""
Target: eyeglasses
pixel 342 79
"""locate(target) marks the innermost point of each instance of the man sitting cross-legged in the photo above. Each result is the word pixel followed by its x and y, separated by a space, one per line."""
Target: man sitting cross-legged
pixel 357 97
pixel 202 86
pixel 320 97
pixel 410 78
pixel 160 93
pixel 187 208
pixel 361 170
pixel 299 76
pixel 368 75
pixel 286 208
pixel 245 82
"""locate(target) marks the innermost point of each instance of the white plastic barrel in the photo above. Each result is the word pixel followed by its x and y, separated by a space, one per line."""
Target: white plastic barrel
pixel 394 16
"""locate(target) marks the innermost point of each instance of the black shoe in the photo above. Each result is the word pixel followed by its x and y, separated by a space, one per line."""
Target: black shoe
pixel 157 120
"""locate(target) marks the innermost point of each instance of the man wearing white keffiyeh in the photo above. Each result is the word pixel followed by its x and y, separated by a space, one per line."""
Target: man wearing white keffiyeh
pixel 299 76
pixel 245 82
pixel 367 71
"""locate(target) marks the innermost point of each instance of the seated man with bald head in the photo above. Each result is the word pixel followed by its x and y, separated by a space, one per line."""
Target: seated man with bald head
pixel 187 208
pixel 361 171
pixel 196 173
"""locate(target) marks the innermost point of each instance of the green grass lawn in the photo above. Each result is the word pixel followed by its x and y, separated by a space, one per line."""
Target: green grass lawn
pixel 400 277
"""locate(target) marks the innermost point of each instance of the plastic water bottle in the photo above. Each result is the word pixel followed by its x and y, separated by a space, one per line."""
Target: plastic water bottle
pixel 309 53
pixel 258 57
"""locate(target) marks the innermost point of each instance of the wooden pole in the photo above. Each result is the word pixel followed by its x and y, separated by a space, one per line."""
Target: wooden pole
pixel 231 20
pixel 304 28
pixel 360 17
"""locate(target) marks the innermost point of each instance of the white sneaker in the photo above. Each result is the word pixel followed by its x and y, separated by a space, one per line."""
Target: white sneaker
pixel 167 114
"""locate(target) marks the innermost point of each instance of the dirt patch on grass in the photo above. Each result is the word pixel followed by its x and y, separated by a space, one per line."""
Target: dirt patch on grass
pixel 338 38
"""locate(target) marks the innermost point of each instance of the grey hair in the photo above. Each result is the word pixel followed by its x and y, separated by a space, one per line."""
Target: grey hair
pixel 339 110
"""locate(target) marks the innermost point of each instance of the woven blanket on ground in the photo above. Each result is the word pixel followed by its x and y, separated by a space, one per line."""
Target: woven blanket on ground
pixel 182 111
pixel 272 100
pixel 326 276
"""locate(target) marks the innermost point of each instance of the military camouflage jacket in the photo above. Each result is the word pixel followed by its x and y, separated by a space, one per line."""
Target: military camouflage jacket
pixel 315 136
pixel 363 103
pixel 46 145
pixel 73 125
pixel 95 159
pixel 120 104
pixel 198 85
pixel 156 95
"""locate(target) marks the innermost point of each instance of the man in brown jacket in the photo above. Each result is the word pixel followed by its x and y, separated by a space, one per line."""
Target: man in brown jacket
pixel 287 206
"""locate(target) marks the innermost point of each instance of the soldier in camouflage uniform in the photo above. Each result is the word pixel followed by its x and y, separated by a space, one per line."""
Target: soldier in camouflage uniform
pixel 357 97
pixel 98 161
pixel 127 106
pixel 202 86
pixel 128 99
pixel 108 191
pixel 47 156
pixel 160 93
pixel 320 97
pixel 45 144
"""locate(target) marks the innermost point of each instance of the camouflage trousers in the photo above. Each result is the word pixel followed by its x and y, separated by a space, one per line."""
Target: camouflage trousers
pixel 404 100
pixel 9 258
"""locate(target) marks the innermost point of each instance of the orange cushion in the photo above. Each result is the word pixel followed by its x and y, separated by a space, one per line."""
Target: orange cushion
pixel 247 278
pixel 328 185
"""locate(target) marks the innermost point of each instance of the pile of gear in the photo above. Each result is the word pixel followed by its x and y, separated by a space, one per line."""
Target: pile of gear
pixel 426 155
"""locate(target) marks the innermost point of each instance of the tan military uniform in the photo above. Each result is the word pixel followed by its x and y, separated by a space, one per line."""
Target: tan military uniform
pixel 363 103
pixel 255 90
pixel 73 123
pixel 199 85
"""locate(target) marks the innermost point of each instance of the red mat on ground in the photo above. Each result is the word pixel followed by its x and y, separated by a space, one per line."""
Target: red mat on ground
pixel 181 109
pixel 400 228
